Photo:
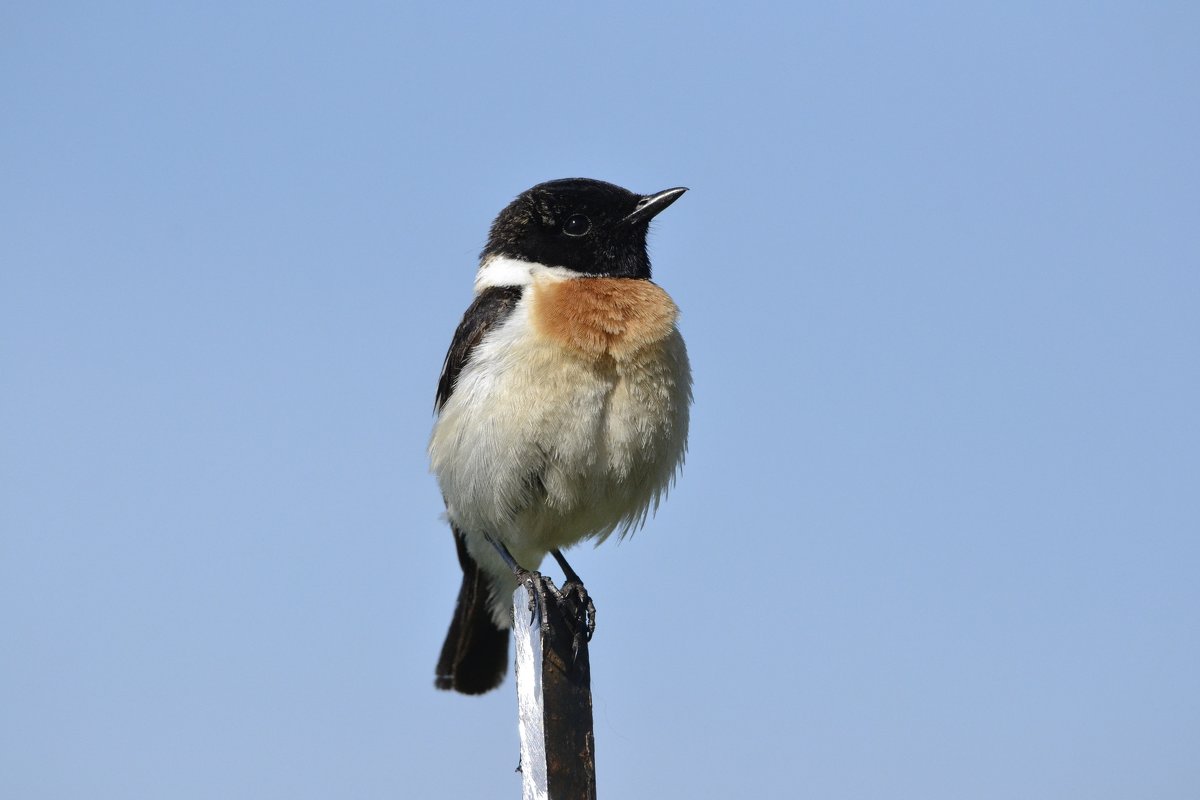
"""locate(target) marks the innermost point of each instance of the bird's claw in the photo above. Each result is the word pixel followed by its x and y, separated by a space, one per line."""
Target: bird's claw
pixel 540 589
pixel 580 612
pixel 572 599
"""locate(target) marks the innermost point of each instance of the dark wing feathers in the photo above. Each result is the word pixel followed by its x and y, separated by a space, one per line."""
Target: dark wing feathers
pixel 474 657
pixel 490 308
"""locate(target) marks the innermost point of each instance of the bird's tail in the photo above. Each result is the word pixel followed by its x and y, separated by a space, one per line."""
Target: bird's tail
pixel 475 655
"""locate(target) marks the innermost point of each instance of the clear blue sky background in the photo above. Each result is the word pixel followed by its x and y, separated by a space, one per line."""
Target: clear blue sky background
pixel 939 531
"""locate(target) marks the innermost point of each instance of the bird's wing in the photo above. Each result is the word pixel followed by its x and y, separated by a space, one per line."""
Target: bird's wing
pixel 490 308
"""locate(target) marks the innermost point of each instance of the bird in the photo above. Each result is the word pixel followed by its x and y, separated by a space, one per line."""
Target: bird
pixel 562 408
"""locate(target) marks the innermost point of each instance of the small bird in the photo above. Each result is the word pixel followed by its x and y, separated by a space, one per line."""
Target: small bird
pixel 562 408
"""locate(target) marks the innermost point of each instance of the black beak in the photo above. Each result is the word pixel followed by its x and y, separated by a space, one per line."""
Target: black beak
pixel 650 205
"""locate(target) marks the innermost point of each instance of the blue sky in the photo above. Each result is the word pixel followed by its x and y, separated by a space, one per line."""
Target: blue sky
pixel 939 268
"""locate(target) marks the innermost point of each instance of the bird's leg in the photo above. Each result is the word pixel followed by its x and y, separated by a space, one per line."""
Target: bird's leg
pixel 539 587
pixel 573 591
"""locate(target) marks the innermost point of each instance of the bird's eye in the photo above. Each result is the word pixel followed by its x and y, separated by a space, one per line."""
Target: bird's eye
pixel 577 225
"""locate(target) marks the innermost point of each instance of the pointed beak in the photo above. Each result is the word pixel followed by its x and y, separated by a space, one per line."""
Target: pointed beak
pixel 650 205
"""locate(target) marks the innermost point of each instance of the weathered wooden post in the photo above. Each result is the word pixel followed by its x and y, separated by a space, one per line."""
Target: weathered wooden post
pixel 554 701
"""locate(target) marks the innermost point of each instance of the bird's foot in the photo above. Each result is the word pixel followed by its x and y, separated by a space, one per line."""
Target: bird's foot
pixel 572 602
pixel 579 611
pixel 542 592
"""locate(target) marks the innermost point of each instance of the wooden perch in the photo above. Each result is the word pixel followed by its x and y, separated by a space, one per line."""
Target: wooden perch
pixel 554 702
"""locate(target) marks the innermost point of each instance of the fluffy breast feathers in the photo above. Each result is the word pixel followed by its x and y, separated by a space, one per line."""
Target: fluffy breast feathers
pixel 569 417
pixel 602 316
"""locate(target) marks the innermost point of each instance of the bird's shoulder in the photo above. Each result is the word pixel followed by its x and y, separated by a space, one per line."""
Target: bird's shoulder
pixel 491 306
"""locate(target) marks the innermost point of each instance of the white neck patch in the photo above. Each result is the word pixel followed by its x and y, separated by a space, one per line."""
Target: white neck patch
pixel 505 271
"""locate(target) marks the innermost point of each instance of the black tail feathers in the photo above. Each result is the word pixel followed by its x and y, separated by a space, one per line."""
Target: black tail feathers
pixel 474 657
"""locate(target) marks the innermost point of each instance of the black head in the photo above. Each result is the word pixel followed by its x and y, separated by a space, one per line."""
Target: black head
pixel 587 226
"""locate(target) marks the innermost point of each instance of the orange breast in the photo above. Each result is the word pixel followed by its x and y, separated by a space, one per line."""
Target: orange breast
pixel 603 316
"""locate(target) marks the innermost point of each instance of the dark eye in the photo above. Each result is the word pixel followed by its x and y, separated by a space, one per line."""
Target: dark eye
pixel 577 225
